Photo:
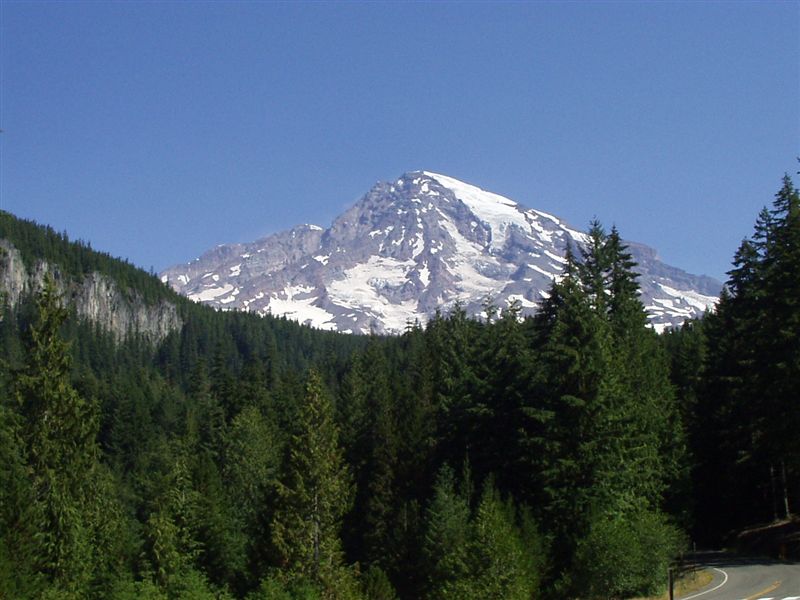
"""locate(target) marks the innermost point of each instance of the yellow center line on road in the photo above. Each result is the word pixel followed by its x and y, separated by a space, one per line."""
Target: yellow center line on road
pixel 767 590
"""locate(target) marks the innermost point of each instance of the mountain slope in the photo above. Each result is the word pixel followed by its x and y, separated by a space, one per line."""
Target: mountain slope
pixel 111 293
pixel 411 247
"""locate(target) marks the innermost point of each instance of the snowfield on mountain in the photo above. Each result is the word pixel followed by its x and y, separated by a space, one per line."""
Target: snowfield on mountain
pixel 411 247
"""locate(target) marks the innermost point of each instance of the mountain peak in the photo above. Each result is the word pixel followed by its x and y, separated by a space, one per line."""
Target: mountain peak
pixel 408 248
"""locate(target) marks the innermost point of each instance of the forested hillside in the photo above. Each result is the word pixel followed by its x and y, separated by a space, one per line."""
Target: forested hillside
pixel 738 375
pixel 574 453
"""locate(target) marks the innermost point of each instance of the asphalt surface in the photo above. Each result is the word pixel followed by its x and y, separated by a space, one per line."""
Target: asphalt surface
pixel 748 579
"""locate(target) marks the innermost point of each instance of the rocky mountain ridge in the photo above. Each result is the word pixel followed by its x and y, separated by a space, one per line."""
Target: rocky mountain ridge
pixel 95 297
pixel 409 248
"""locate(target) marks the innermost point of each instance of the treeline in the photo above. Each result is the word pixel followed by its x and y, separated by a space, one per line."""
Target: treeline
pixel 738 376
pixel 77 258
pixel 572 453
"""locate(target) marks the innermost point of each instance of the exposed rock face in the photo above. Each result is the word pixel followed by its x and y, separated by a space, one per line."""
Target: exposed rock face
pixel 14 279
pixel 408 248
pixel 99 300
pixel 96 298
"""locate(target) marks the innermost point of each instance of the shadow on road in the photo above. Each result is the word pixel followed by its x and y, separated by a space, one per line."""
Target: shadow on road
pixel 721 559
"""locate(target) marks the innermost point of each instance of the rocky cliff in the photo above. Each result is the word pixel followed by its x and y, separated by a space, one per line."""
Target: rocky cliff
pixel 96 297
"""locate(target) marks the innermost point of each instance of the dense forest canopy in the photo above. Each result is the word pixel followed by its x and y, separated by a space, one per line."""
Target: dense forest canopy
pixel 575 452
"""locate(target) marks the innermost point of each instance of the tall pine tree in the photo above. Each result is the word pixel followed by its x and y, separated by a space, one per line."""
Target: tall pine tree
pixel 59 432
pixel 314 494
pixel 749 402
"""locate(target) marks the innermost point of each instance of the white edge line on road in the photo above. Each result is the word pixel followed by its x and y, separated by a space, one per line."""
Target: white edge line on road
pixel 724 581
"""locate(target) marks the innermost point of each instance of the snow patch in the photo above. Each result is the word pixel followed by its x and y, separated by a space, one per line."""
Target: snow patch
pixel 418 246
pixel 542 271
pixel 230 298
pixel 541 232
pixel 363 286
pixel 301 310
pixel 555 257
pixel 211 293
pixel 547 216
pixel 425 275
pixel 694 299
pixel 659 327
pixel 297 303
pixel 498 212
pixel 578 236
pixel 523 301
pixel 469 261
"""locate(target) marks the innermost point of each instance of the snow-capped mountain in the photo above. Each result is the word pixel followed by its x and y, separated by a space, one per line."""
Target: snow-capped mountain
pixel 408 248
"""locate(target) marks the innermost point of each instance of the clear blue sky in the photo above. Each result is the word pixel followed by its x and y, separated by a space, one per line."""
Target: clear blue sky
pixel 157 130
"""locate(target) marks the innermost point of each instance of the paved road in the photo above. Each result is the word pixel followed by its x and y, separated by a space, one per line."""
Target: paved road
pixel 749 579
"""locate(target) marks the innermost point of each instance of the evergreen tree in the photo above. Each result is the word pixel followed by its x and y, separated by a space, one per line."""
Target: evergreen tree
pixel 445 547
pixel 220 535
pixel 779 361
pixel 600 429
pixel 595 266
pixel 622 289
pixel 753 373
pixel 174 521
pixel 559 438
pixel 415 435
pixel 503 564
pixel 651 422
pixel 314 494
pixel 375 500
pixel 59 433
pixel 481 555
pixel 500 386
pixel 451 348
pixel 252 463
pixel 625 556
pixel 377 585
pixel 20 518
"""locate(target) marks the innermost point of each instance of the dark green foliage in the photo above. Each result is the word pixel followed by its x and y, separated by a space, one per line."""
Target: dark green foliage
pixel 601 432
pixel 172 525
pixel 377 585
pixel 574 393
pixel 58 432
pixel 252 457
pixel 368 411
pixel 446 539
pixel 63 531
pixel 625 555
pixel 489 552
pixel 273 588
pixel 253 453
pixel 20 517
pixel 314 494
pixel 746 442
pixel 504 563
